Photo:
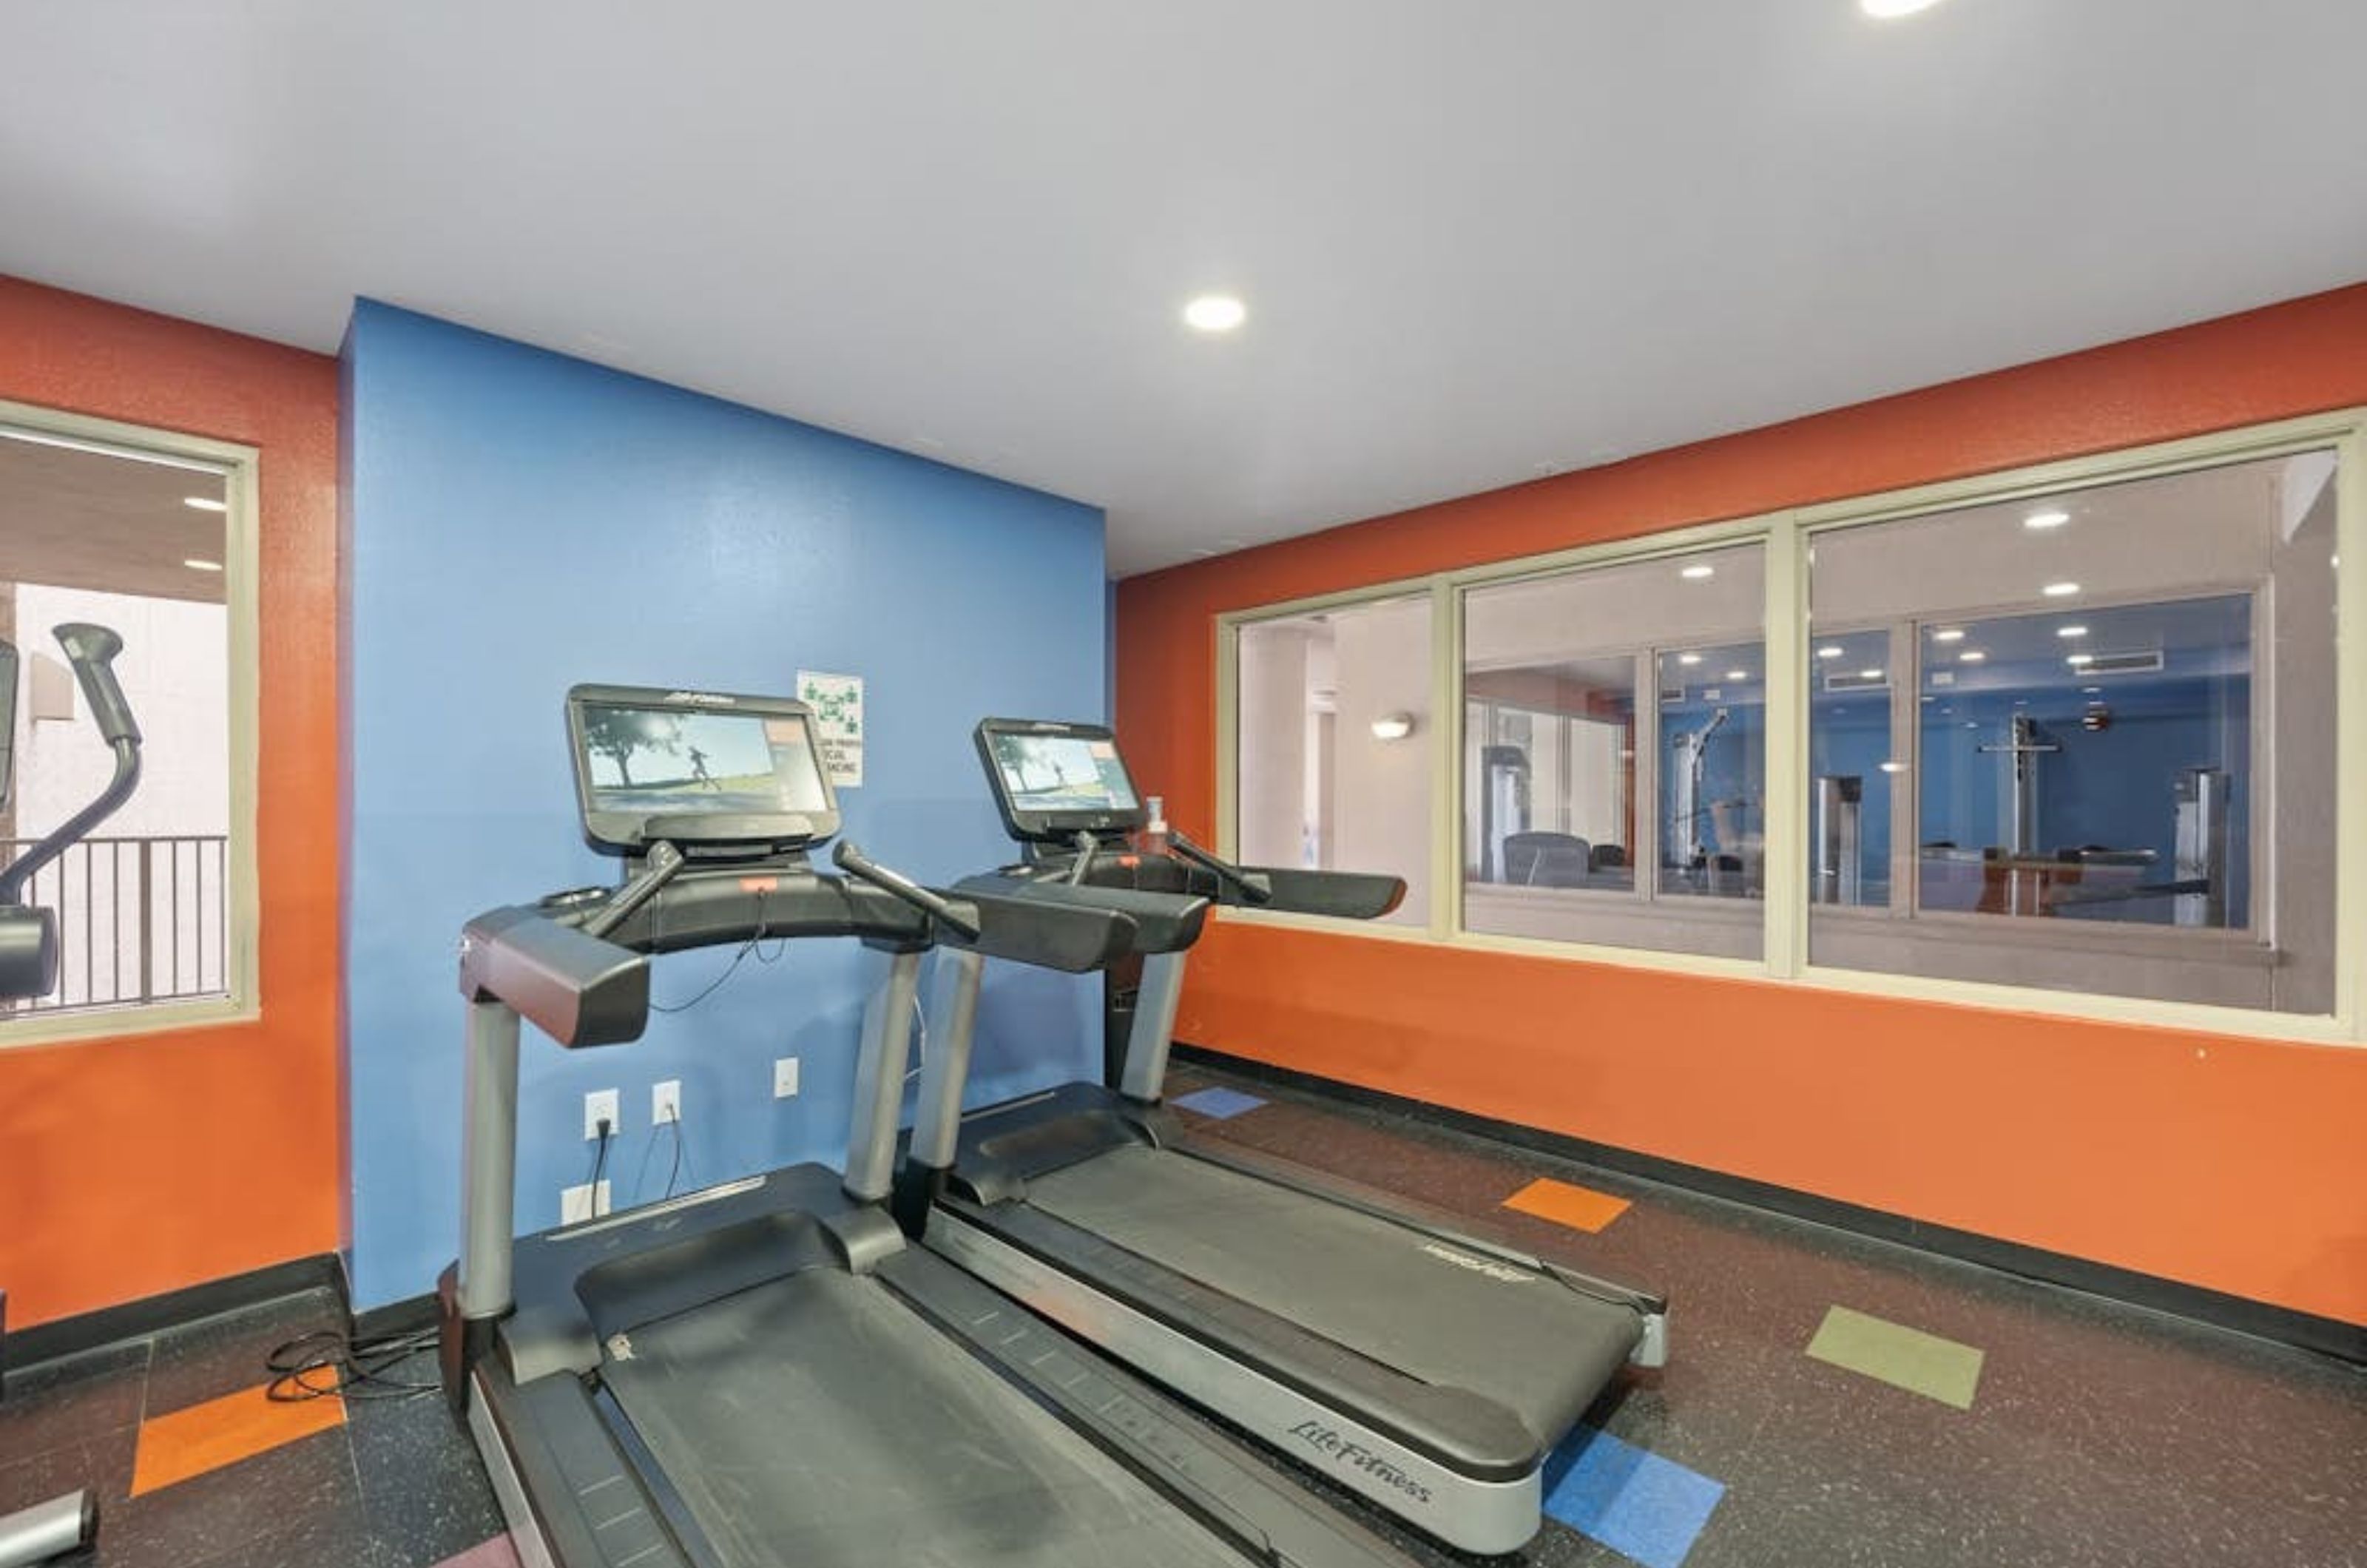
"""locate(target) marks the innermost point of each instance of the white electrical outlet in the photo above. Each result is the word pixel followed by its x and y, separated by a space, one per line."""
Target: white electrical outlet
pixel 665 1102
pixel 785 1077
pixel 602 1106
pixel 578 1204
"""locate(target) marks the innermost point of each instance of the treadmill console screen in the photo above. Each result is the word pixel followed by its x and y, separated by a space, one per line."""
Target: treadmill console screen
pixel 1053 780
pixel 696 768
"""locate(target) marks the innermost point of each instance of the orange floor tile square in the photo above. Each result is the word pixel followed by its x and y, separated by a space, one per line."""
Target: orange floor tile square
pixel 223 1431
pixel 1580 1208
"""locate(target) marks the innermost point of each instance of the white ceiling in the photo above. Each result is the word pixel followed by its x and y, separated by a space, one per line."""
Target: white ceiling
pixel 1476 239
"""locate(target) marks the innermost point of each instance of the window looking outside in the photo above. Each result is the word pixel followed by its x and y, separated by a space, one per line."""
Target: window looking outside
pixel 1333 743
pixel 1615 721
pixel 2070 699
pixel 139 546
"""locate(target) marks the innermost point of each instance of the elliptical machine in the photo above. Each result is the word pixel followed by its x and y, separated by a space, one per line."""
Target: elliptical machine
pixel 28 935
pixel 29 968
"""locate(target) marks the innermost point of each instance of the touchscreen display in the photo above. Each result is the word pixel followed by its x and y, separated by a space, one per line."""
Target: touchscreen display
pixel 660 761
pixel 1061 772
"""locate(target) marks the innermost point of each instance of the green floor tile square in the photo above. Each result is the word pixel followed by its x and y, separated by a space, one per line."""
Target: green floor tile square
pixel 1905 1358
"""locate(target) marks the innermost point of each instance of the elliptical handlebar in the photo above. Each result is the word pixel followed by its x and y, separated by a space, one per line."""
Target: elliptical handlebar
pixel 7 718
pixel 91 650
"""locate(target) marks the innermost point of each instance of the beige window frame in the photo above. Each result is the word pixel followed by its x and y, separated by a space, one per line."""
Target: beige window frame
pixel 238 467
pixel 1789 536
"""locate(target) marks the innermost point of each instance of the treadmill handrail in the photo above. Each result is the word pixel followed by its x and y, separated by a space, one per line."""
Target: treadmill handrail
pixel 1251 888
pixel 849 858
pixel 576 966
pixel 1161 922
pixel 581 990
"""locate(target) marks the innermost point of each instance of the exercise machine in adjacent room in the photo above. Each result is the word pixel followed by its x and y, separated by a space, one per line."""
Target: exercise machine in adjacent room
pixel 1413 1356
pixel 29 968
pixel 766 1372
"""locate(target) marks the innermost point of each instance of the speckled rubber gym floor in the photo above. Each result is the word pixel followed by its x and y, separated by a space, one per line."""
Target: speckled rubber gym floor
pixel 1829 1400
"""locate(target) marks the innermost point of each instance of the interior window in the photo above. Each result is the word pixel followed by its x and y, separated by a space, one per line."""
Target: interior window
pixel 120 540
pixel 2083 741
pixel 1614 759
pixel 1334 727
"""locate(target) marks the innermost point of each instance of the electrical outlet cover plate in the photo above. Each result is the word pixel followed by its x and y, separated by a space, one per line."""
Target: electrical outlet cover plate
pixel 599 1106
pixel 665 1102
pixel 578 1204
pixel 785 1077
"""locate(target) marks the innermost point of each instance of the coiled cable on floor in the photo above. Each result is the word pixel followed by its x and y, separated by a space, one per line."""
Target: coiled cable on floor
pixel 330 1362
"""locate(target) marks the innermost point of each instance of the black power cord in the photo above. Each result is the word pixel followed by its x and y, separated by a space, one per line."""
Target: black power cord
pixel 330 1362
pixel 600 1163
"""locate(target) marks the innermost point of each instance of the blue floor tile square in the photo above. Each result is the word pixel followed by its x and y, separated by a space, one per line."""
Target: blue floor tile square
pixel 1635 1503
pixel 1219 1102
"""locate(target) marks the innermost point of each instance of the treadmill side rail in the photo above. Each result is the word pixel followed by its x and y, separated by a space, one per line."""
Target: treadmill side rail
pixel 1475 1516
pixel 1462 1230
pixel 1279 1522
pixel 553 1449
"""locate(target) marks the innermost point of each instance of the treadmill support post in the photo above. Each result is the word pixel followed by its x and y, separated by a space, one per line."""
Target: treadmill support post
pixel 489 1160
pixel 936 1125
pixel 879 1082
pixel 1155 1000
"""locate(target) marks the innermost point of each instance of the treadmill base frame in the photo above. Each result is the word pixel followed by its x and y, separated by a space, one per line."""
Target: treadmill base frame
pixel 1475 1515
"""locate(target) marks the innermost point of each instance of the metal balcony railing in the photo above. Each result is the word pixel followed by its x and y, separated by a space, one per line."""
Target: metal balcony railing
pixel 140 921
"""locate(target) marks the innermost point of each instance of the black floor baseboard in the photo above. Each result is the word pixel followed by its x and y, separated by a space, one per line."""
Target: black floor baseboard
pixel 2326 1335
pixel 410 1315
pixel 152 1314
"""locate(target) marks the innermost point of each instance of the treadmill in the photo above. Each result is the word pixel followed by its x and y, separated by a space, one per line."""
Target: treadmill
pixel 1417 1358
pixel 765 1372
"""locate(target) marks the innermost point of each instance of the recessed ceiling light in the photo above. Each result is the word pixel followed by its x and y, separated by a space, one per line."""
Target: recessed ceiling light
pixel 2092 690
pixel 1696 573
pixel 205 503
pixel 1869 674
pixel 1689 659
pixel 1215 314
pixel 1971 656
pixel 1830 650
pixel 2044 520
pixel 1950 633
pixel 1887 10
pixel 2078 661
pixel 194 564
pixel 2070 631
pixel 1738 674
pixel 2060 589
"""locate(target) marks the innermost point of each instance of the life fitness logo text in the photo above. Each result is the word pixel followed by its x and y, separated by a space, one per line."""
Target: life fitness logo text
pixel 712 699
pixel 1350 1454
pixel 1478 1265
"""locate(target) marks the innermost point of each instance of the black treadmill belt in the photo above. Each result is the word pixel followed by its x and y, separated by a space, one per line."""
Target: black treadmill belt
pixel 816 1420
pixel 1436 1311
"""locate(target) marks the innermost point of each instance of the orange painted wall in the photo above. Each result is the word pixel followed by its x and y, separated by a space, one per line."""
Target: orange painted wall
pixel 146 1164
pixel 2237 1165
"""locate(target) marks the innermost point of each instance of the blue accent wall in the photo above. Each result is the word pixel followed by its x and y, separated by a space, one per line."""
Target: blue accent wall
pixel 2112 787
pixel 519 521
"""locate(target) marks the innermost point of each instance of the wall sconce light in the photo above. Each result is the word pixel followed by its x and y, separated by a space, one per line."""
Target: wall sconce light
pixel 1393 726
